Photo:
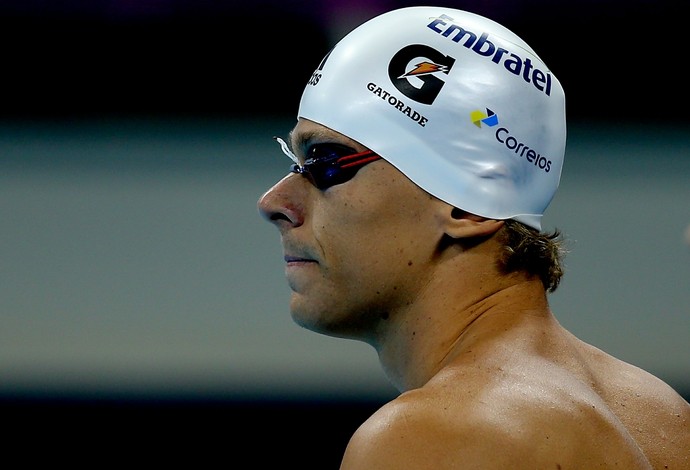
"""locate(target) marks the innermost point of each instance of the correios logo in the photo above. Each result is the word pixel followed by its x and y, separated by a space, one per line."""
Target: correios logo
pixel 489 118
pixel 512 143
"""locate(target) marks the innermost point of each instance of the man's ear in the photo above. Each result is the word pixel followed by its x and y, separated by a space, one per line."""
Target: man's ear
pixel 461 224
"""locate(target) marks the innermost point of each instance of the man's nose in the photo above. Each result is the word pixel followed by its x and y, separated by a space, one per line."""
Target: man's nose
pixel 283 204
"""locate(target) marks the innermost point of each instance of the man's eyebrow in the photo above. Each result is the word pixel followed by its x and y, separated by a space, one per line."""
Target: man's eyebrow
pixel 300 143
pixel 306 139
pixel 303 140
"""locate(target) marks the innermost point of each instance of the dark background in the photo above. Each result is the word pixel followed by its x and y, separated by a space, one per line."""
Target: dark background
pixel 61 61
pixel 618 61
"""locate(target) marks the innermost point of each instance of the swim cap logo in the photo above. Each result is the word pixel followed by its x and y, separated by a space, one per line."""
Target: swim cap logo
pixel 489 118
pixel 482 46
pixel 425 68
pixel 316 76
pixel 428 65
pixel 513 144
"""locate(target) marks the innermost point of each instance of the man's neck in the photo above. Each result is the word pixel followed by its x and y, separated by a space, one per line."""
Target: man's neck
pixel 420 341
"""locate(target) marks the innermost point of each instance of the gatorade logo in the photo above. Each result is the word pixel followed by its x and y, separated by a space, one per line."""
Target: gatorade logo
pixel 415 71
pixel 503 136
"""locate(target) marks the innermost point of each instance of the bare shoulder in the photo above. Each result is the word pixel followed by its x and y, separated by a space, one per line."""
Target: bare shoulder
pixel 413 431
pixel 487 425
pixel 655 415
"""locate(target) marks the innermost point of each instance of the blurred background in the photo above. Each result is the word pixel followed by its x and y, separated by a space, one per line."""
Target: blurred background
pixel 143 308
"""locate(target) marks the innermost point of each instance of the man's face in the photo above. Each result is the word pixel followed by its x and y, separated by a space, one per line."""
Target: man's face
pixel 356 251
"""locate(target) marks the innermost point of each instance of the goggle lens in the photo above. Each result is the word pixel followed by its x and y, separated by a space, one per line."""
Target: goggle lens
pixel 328 164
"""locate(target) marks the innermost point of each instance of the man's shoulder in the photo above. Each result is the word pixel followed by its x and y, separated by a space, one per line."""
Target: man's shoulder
pixel 488 425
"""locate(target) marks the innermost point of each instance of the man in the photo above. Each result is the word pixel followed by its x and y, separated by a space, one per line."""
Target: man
pixel 428 144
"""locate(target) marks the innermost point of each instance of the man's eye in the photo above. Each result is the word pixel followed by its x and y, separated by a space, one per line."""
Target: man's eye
pixel 328 151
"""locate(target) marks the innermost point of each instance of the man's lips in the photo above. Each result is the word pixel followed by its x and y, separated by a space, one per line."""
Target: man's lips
pixel 291 259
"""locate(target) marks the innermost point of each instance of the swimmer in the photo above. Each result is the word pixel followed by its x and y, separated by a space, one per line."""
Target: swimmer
pixel 428 144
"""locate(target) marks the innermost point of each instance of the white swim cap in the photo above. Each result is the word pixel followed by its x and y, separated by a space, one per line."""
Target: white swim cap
pixel 458 103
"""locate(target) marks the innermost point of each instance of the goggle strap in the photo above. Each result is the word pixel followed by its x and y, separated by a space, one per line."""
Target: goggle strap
pixel 286 150
pixel 358 159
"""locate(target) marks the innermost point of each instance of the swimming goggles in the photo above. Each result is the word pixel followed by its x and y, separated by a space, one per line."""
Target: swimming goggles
pixel 328 164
